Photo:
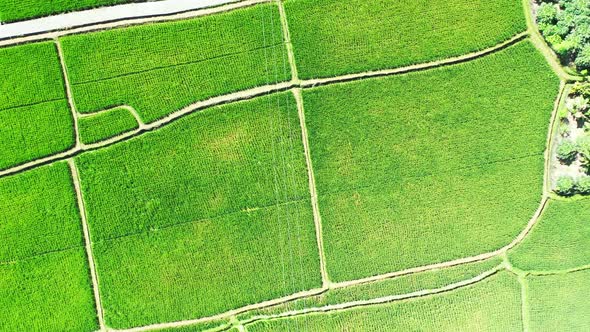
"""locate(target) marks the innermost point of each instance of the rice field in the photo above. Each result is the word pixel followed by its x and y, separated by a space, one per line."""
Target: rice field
pixel 194 175
pixel 34 125
pixel 333 37
pixel 385 186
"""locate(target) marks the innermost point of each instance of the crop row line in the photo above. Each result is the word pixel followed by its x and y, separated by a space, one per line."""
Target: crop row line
pixel 252 93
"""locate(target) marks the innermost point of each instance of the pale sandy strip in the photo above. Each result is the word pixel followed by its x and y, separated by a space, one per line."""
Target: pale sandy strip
pixel 129 22
pixel 128 108
pixel 64 70
pixel 76 181
pixel 523 303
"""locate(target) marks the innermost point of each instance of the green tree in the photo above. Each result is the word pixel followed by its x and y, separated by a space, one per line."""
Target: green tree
pixel 565 186
pixel 583 185
pixel 567 151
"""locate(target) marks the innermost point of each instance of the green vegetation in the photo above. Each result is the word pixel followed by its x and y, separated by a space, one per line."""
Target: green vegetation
pixel 34 115
pixel 17 10
pixel 105 125
pixel 567 151
pixel 395 286
pixel 565 24
pixel 160 68
pixel 334 37
pixel 44 278
pixel 405 172
pixel 218 202
pixel 559 241
pixel 39 213
pixel 559 302
pixel 47 293
pixel 491 305
pixel 565 185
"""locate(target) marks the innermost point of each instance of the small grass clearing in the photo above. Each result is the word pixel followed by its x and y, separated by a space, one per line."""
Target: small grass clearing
pixel 104 125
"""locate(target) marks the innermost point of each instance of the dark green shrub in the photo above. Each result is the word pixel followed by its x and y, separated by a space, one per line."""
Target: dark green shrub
pixel 565 186
pixel 583 185
pixel 567 151
pixel 547 13
pixel 583 58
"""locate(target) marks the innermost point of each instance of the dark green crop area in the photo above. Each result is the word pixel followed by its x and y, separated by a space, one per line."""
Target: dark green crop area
pixel 18 10
pixel 160 68
pixel 44 276
pixel 35 120
pixel 104 125
pixel 559 241
pixel 431 166
pixel 490 305
pixel 204 215
pixel 335 37
pixel 559 302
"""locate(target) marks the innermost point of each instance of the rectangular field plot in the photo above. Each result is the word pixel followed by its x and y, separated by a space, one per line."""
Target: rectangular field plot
pixel 429 166
pixel 335 37
pixel 44 276
pixel 559 302
pixel 35 120
pixel 160 68
pixel 560 240
pixel 490 305
pixel 104 125
pixel 209 213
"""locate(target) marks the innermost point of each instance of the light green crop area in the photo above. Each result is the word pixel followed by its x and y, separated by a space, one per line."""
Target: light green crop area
pixel 335 37
pixel 39 213
pixel 560 240
pixel 559 302
pixel 396 286
pixel 44 276
pixel 35 120
pixel 427 165
pixel 186 218
pixel 105 125
pixel 16 10
pixel 490 305
pixel 160 68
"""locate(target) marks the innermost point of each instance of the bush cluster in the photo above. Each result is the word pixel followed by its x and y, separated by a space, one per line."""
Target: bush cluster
pixel 568 186
pixel 565 24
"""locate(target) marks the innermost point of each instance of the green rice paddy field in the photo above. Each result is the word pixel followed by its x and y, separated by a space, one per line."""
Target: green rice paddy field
pixel 407 201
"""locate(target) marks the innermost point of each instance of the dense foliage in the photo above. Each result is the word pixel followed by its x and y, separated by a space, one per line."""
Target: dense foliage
pixel 565 24
pixel 160 68
pixel 217 202
pixel 335 37
pixel 388 152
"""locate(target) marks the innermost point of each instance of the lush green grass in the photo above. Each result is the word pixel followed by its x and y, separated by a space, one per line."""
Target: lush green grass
pixel 35 120
pixel 429 166
pixel 209 213
pixel 39 213
pixel 334 37
pixel 559 241
pixel 396 286
pixel 44 276
pixel 17 10
pixel 491 305
pixel 160 68
pixel 47 293
pixel 105 125
pixel 559 302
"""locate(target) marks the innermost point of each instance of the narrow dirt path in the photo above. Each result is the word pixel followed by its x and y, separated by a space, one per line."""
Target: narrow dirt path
pixel 88 243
